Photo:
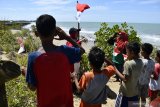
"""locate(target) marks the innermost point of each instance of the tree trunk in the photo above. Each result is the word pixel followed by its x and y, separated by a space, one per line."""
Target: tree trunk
pixel 3 97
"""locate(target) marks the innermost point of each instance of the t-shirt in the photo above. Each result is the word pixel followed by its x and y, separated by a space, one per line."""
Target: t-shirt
pixel 156 71
pixel 70 45
pixel 132 69
pixel 94 87
pixel 147 71
pixel 50 73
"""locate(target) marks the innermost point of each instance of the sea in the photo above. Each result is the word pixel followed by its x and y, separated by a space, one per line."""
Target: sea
pixel 148 32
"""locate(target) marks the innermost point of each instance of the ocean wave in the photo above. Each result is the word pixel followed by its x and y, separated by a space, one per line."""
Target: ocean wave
pixel 150 38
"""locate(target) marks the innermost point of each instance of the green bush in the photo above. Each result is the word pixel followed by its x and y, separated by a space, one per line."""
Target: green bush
pixel 31 43
pixel 18 93
pixel 102 35
pixel 7 41
pixel 105 32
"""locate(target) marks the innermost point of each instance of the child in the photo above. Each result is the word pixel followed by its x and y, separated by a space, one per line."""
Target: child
pixel 93 83
pixel 73 32
pixel 48 70
pixel 146 50
pixel 132 70
pixel 119 40
pixel 153 91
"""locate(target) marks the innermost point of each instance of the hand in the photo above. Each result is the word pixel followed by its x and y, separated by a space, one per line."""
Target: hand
pixel 84 40
pixel 62 35
pixel 152 76
pixel 23 70
pixel 115 35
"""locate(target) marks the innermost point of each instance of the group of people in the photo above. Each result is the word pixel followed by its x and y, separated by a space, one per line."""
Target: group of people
pixel 49 69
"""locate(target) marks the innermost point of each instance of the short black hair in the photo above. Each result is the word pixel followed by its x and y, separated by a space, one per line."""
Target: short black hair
pixel 133 46
pixel 147 48
pixel 45 25
pixel 96 57
pixel 158 53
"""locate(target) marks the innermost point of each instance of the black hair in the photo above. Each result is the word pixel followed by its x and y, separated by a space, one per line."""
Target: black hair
pixel 147 48
pixel 158 53
pixel 134 47
pixel 96 57
pixel 45 25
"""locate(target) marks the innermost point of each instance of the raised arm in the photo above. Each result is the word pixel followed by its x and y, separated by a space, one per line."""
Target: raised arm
pixel 108 62
pixel 63 36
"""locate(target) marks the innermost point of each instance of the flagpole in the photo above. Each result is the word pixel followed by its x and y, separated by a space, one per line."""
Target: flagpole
pixel 78 28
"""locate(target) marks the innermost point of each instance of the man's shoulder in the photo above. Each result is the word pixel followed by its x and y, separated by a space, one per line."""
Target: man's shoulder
pixel 134 62
pixel 34 54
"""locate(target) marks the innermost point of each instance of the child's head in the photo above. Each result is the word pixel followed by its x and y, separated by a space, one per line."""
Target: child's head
pixel 46 25
pixel 73 33
pixel 158 56
pixel 146 49
pixel 96 58
pixel 132 49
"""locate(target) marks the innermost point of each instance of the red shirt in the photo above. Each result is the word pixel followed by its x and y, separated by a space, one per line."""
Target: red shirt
pixel 52 71
pixel 70 45
pixel 156 71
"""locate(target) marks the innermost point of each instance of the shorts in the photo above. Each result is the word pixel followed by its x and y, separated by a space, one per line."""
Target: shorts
pixel 130 101
pixel 143 91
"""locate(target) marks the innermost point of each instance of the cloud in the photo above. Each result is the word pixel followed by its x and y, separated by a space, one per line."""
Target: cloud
pixel 123 1
pixel 51 2
pixel 137 1
pixel 149 1
pixel 99 8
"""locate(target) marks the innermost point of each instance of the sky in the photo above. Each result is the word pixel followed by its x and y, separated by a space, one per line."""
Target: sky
pixel 132 11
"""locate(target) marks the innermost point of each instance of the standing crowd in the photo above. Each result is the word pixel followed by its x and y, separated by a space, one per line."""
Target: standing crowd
pixel 49 70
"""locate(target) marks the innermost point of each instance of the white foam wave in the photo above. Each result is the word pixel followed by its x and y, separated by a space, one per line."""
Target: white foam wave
pixel 153 39
pixel 29 26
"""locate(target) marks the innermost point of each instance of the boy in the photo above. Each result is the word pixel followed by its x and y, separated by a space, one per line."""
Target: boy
pixel 73 32
pixel 146 50
pixel 48 70
pixel 132 70
pixel 93 83
pixel 154 84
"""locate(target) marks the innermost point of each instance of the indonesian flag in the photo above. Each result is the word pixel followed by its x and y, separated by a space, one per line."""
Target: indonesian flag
pixel 80 9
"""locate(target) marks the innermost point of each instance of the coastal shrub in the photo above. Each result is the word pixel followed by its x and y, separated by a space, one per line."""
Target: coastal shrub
pixel 7 41
pixel 18 93
pixel 31 43
pixel 84 65
pixel 105 32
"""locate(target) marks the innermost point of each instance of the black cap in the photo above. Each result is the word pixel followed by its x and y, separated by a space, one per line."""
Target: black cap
pixel 73 30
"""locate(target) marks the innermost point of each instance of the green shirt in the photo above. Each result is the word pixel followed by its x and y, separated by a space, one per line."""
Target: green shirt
pixel 118 58
pixel 132 69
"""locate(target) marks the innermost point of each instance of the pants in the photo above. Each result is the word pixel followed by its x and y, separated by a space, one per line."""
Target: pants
pixel 130 101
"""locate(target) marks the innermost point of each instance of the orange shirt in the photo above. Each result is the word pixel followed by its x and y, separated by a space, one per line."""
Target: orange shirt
pixel 87 77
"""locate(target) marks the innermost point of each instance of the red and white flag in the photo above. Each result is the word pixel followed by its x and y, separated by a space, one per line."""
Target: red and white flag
pixel 80 8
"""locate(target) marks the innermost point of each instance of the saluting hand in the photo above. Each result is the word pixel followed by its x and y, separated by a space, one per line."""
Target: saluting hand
pixel 61 34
